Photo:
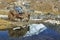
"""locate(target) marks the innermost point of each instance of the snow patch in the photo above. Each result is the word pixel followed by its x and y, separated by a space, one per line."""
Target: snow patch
pixel 4 16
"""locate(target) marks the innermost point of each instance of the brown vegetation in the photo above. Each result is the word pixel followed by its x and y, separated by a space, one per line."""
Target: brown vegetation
pixel 41 5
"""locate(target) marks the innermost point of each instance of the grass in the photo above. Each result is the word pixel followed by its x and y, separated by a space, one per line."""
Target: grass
pixel 4 24
pixel 4 12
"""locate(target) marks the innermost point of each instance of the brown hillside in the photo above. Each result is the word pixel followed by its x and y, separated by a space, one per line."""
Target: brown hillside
pixel 41 5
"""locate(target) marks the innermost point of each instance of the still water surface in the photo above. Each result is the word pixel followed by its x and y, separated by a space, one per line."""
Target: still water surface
pixel 47 34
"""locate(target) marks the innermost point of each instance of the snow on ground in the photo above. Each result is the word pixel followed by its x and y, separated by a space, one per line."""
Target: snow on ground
pixel 36 19
pixel 52 21
pixel 4 16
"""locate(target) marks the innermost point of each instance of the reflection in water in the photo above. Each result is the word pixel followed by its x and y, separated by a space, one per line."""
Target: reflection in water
pixel 17 32
pixel 34 30
pixel 46 34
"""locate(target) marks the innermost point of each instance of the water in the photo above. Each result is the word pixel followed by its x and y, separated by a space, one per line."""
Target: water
pixel 47 34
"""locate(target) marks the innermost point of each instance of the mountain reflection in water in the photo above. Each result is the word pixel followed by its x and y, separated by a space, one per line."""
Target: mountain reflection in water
pixel 47 34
